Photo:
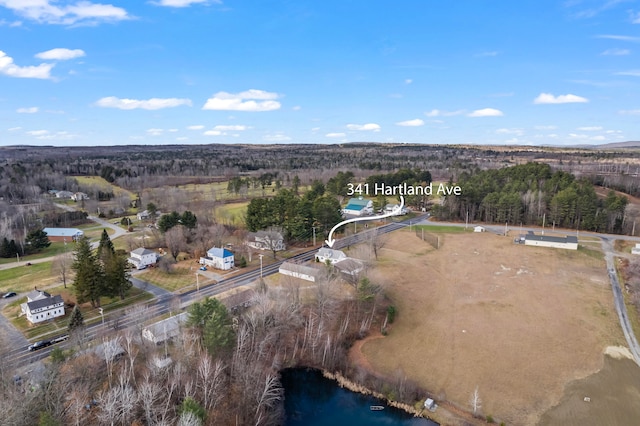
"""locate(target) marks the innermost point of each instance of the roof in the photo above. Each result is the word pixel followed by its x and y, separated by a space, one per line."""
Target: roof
pixel 167 327
pixel 361 202
pixel 300 269
pixel 43 303
pixel 550 239
pixel 267 234
pixel 349 265
pixel 219 252
pixel 37 295
pixel 331 253
pixel 141 251
pixel 63 232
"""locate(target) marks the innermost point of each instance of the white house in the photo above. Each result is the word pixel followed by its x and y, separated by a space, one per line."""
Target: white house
pixel 331 255
pixel 64 194
pixel 395 209
pixel 266 240
pixel 636 249
pixel 142 257
pixel 218 258
pixel 303 272
pixel 358 207
pixel 41 306
pixel 143 215
pixel 79 196
pixel 569 242
pixel 166 329
pixel 479 229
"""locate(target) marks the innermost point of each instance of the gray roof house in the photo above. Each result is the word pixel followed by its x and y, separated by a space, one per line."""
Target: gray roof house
pixel 41 306
pixel 331 255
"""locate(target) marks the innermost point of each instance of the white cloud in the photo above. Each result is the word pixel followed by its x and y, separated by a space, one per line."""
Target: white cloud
pixel 155 132
pixel 251 100
pixel 82 12
pixel 632 73
pixel 182 138
pixel 236 127
pixel 276 137
pixel 29 110
pixel 315 129
pixel 548 98
pixel 616 52
pixel 212 133
pixel 504 131
pixel 631 39
pixel 183 3
pixel 7 67
pixel 598 138
pixel 486 112
pixel 196 127
pixel 629 112
pixel 362 127
pixel 14 129
pixel 635 17
pixel 440 113
pixel 37 132
pixel 335 135
pixel 411 123
pixel 486 54
pixel 60 54
pixel 408 81
pixel 589 128
pixel 172 130
pixel 149 104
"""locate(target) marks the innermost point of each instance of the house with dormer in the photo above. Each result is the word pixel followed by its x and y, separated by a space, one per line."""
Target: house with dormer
pixel 41 306
pixel 141 258
pixel 333 256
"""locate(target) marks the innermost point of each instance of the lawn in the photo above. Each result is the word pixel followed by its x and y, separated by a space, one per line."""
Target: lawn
pixel 52 250
pixel 93 231
pixel 442 228
pixel 59 325
pixel 24 278
pixel 101 183
pixel 179 277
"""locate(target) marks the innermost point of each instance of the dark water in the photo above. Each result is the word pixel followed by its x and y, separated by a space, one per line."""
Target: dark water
pixel 312 400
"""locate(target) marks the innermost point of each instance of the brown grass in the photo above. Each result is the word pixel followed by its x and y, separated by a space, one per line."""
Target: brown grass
pixel 518 322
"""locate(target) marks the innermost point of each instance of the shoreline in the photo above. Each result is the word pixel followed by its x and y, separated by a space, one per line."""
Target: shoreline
pixel 446 413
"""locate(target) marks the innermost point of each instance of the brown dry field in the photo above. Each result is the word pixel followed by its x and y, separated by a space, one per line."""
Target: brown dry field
pixel 518 322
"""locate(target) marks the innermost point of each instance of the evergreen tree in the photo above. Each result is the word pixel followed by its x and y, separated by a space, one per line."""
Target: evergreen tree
pixel 37 240
pixel 105 247
pixel 89 283
pixel 116 274
pixel 213 322
pixel 189 220
pixel 76 320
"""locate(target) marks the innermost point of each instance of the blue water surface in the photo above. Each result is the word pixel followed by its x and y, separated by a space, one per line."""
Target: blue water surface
pixel 313 400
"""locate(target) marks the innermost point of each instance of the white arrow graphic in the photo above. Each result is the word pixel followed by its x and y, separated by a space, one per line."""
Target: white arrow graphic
pixel 330 241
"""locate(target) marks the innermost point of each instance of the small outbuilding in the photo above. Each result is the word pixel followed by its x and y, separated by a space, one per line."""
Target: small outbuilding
pixel 479 229
pixel 307 273
pixel 636 249
pixel 569 242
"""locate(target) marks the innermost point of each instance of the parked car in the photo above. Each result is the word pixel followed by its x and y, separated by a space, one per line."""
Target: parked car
pixel 10 294
pixel 203 268
pixel 39 345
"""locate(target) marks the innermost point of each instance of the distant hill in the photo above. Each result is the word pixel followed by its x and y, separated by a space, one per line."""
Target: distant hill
pixel 616 145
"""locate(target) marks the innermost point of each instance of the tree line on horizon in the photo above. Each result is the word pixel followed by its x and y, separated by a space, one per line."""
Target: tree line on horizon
pixel 532 193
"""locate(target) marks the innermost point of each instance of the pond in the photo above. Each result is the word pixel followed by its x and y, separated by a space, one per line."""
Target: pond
pixel 313 400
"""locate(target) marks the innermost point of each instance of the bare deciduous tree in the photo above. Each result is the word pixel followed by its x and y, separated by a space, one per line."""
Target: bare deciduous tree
pixel 62 266
pixel 174 238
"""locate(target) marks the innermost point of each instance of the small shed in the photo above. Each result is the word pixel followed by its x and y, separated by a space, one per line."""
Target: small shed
pixel 479 229
pixel 430 404
pixel 636 249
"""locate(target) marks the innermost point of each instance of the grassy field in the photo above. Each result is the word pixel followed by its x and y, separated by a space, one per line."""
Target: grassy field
pixel 52 250
pixel 24 278
pixel 624 246
pixel 101 183
pixel 442 228
pixel 232 213
pixel 179 278
pixel 518 322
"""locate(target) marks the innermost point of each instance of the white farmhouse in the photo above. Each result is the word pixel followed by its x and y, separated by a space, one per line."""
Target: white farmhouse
pixel 267 240
pixel 331 255
pixel 218 258
pixel 41 306
pixel 142 257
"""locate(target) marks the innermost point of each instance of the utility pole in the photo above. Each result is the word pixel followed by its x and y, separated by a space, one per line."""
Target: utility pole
pixel 261 266
pixel 466 222
pixel 101 314
pixel 314 235
pixel 544 217
pixel 197 282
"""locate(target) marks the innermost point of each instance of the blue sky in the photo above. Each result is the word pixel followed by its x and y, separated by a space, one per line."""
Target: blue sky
pixel 530 72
